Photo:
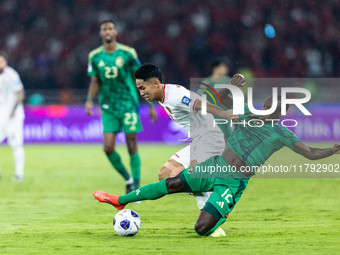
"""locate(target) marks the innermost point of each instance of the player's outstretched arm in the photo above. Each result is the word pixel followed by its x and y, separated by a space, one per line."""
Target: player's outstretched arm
pixel 152 114
pixel 20 99
pixel 315 153
pixel 93 90
pixel 238 80
pixel 215 110
pixel 336 148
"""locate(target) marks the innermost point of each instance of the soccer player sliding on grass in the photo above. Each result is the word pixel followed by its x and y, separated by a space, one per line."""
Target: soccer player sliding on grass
pixel 184 107
pixel 248 146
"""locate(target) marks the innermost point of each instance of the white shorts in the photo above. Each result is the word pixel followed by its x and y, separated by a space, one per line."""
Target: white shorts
pixel 183 156
pixel 13 130
pixel 201 149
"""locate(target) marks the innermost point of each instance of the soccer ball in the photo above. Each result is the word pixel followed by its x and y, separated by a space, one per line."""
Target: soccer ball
pixel 126 223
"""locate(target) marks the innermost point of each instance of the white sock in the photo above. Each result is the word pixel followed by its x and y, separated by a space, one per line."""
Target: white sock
pixel 202 198
pixel 19 161
pixel 130 181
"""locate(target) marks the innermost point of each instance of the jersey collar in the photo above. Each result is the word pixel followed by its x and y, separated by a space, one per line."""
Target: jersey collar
pixel 163 94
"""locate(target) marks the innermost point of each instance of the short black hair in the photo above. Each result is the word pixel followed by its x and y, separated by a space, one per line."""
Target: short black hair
pixel 279 100
pixel 217 61
pixel 148 71
pixel 3 54
pixel 107 21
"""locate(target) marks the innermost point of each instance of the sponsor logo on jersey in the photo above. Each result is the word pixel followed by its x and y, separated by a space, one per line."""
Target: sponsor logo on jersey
pixel 101 63
pixel 190 170
pixel 119 61
pixel 186 100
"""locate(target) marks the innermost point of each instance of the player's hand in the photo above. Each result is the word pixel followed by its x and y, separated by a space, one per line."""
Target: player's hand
pixel 238 80
pixel 336 148
pixel 153 115
pixel 229 115
pixel 88 107
pixel 11 115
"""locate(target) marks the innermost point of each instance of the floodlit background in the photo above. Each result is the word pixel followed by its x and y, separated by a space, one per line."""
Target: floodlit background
pixel 49 41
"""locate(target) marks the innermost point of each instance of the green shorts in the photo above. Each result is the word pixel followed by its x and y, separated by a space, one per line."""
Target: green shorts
pixel 227 188
pixel 129 122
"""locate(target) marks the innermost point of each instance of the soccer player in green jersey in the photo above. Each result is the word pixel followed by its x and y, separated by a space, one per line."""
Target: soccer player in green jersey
pixel 219 75
pixel 111 68
pixel 247 146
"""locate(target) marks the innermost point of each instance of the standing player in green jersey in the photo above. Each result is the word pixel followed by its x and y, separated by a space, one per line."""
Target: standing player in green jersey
pixel 248 146
pixel 111 67
pixel 219 75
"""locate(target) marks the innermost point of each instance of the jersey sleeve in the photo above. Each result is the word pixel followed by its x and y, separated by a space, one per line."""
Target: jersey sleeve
pixel 178 96
pixel 194 98
pixel 134 61
pixel 91 68
pixel 288 138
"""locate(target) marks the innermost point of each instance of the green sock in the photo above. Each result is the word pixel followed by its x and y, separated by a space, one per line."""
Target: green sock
pixel 116 162
pixel 147 192
pixel 135 169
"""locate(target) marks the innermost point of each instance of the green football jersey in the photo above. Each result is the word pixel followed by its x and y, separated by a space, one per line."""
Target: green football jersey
pixel 254 145
pixel 117 90
pixel 212 98
pixel 211 82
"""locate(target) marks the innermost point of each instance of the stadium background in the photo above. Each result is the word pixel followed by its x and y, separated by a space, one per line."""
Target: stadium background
pixel 49 41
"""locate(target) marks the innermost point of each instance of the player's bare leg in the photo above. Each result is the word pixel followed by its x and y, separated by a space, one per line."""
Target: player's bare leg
pixel 170 169
pixel 115 160
pixel 131 142
pixel 109 143
pixel 208 225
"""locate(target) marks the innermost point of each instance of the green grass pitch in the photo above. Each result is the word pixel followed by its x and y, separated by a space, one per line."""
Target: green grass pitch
pixel 53 210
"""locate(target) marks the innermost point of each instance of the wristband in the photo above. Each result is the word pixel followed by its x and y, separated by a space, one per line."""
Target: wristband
pixel 89 100
pixel 150 104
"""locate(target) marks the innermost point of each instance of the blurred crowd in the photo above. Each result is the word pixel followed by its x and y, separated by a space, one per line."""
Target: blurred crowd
pixel 49 41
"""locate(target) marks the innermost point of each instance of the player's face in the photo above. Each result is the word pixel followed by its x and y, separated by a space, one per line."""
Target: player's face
pixel 150 90
pixel 3 63
pixel 267 105
pixel 108 32
pixel 223 69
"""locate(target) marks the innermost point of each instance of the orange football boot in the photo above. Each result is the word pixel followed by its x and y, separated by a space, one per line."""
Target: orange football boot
pixel 104 197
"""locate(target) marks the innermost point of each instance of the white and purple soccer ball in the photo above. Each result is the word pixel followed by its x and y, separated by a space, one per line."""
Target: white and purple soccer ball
pixel 126 223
